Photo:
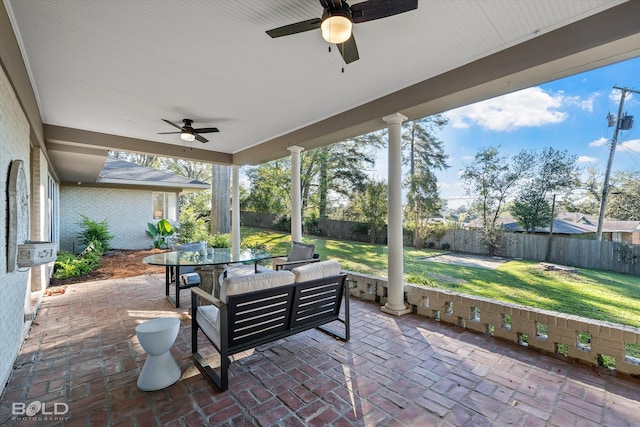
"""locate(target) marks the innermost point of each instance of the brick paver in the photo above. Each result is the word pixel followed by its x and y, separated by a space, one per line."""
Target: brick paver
pixel 82 351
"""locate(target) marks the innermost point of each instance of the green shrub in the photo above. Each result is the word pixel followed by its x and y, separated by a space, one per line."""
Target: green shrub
pixel 96 234
pixel 445 246
pixel 219 240
pixel 283 224
pixel 160 232
pixel 69 265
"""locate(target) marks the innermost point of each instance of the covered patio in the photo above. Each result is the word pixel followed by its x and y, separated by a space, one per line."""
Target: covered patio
pixel 82 350
pixel 81 78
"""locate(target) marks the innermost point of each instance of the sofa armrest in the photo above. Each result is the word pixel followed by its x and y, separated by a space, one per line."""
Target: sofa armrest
pixel 207 297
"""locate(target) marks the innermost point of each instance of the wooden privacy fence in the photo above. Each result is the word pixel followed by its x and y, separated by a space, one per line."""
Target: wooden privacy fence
pixel 612 256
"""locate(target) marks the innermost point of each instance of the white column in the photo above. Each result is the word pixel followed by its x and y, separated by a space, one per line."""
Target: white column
pixel 296 204
pixel 395 302
pixel 235 211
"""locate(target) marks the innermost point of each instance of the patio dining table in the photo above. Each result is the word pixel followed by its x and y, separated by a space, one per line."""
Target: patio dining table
pixel 209 265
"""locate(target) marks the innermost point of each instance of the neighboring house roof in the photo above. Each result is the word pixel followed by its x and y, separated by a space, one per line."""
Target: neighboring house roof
pixel 621 226
pixel 567 223
pixel 121 172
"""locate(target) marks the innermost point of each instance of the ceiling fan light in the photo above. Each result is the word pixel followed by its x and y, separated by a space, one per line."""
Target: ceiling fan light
pixel 187 136
pixel 336 28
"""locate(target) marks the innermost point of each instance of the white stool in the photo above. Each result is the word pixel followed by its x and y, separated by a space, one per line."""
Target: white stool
pixel 156 337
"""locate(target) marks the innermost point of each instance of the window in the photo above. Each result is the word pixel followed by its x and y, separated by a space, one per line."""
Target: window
pixel 165 205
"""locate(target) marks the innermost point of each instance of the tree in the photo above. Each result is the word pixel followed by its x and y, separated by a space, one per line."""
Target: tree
pixel 339 168
pixel 588 200
pixel 623 203
pixel 370 205
pixel 269 189
pixel 423 153
pixel 220 218
pixel 423 203
pixel 624 198
pixel 147 160
pixel 555 171
pixel 490 179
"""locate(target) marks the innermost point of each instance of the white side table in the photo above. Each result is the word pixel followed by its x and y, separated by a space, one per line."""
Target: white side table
pixel 156 337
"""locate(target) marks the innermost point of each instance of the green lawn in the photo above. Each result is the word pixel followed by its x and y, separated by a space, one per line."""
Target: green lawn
pixel 594 294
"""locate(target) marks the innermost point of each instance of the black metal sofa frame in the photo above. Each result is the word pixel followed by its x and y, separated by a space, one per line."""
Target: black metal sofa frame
pixel 255 318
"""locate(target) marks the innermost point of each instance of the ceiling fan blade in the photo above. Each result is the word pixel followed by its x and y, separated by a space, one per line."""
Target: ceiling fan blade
pixel 200 138
pixel 298 27
pixel 166 133
pixel 206 130
pixel 349 50
pixel 172 124
pixel 376 9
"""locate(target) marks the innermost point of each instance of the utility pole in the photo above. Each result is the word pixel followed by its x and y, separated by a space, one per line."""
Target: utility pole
pixel 614 142
pixel 553 215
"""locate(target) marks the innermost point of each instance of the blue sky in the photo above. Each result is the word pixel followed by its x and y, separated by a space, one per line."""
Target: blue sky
pixel 570 113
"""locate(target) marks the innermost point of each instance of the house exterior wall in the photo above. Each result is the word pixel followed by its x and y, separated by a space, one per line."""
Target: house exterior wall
pixel 14 294
pixel 127 213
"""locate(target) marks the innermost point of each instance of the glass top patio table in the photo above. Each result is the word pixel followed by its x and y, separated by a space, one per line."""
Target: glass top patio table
pixel 214 256
pixel 208 265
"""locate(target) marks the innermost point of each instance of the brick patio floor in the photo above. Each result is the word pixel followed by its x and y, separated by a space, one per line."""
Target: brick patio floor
pixel 82 351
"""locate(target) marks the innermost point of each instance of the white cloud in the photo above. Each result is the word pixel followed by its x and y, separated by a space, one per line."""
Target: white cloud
pixel 584 104
pixel 587 159
pixel 614 96
pixel 599 142
pixel 631 145
pixel 530 107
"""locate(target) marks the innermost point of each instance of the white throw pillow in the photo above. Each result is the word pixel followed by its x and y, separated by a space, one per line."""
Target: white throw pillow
pixel 316 270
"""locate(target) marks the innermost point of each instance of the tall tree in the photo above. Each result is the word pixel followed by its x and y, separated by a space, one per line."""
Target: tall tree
pixel 370 205
pixel 189 169
pixel 220 218
pixel 624 198
pixel 147 160
pixel 423 153
pixel 554 171
pixel 423 203
pixel 490 179
pixel 340 167
pixel 269 188
pixel 588 200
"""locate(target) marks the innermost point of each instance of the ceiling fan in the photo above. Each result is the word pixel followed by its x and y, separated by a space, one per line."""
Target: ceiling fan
pixel 338 19
pixel 187 132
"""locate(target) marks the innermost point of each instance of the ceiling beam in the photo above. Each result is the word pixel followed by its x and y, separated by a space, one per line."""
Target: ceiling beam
pixel 84 139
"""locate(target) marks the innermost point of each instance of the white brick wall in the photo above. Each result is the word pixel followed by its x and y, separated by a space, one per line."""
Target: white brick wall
pixel 126 211
pixel 14 145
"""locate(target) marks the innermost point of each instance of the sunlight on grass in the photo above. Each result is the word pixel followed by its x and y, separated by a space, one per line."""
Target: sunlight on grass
pixel 595 294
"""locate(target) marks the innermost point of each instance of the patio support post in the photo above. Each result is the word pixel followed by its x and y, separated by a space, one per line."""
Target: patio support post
pixel 296 205
pixel 395 286
pixel 235 211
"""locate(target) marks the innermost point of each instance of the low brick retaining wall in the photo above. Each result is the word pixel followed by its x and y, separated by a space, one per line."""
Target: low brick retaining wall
pixel 574 337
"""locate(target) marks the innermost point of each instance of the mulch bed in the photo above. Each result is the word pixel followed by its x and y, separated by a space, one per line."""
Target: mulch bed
pixel 117 264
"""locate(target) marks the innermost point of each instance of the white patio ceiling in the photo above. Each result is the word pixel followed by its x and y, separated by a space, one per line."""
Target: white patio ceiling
pixel 106 72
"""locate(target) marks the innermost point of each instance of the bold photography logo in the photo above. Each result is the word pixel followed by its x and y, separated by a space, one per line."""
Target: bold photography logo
pixel 39 410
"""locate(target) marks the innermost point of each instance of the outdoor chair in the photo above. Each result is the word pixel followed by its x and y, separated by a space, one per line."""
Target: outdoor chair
pixel 300 254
